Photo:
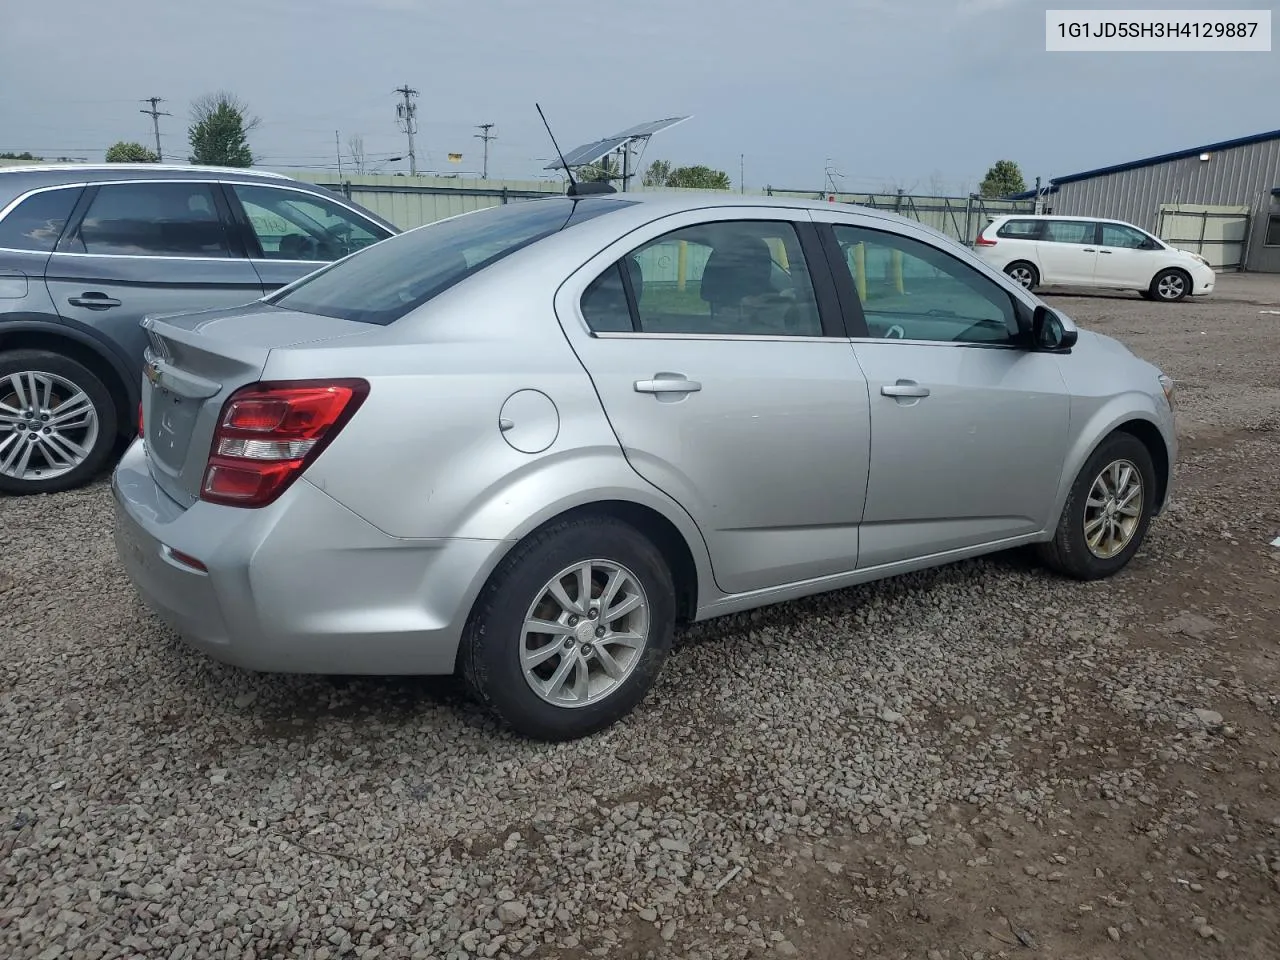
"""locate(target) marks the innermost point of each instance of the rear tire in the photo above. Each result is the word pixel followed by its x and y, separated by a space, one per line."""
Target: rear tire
pixel 1098 532
pixel 587 670
pixel 1170 286
pixel 66 408
pixel 1024 274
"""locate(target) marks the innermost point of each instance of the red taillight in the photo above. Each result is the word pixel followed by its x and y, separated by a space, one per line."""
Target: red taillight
pixel 268 433
pixel 984 241
pixel 140 430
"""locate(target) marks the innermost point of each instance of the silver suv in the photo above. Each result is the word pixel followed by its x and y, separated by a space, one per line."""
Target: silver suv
pixel 87 251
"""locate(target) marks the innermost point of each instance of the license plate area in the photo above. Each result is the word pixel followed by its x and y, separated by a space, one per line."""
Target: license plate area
pixel 170 423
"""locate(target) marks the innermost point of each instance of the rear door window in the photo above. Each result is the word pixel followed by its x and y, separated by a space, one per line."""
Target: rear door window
pixel 169 219
pixel 37 222
pixel 386 281
pixel 1020 229
pixel 1118 235
pixel 1070 231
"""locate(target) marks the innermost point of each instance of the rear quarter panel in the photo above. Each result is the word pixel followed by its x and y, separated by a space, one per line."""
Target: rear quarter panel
pixel 425 458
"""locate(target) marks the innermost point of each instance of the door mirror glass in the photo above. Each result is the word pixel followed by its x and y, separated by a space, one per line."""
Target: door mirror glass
pixel 1051 331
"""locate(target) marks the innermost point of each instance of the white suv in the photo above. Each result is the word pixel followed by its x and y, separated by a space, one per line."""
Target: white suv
pixel 1087 252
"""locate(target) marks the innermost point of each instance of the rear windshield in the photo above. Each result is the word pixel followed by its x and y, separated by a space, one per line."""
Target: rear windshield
pixel 382 283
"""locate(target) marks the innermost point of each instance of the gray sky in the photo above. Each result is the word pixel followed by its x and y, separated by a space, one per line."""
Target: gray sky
pixel 910 93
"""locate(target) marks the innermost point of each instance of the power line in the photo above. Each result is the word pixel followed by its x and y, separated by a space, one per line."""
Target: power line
pixel 486 137
pixel 156 113
pixel 408 114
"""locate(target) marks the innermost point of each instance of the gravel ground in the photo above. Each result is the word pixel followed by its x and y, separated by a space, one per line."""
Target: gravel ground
pixel 974 762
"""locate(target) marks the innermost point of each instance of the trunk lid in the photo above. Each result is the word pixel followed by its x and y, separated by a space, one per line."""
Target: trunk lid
pixel 194 362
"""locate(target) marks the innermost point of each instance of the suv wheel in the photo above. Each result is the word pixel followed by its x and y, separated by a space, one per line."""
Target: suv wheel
pixel 572 629
pixel 57 423
pixel 1107 511
pixel 1023 273
pixel 1170 285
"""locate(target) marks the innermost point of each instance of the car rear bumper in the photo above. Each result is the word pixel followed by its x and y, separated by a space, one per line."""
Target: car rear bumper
pixel 300 586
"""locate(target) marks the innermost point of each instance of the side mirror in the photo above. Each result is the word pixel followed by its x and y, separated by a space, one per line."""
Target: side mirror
pixel 1051 331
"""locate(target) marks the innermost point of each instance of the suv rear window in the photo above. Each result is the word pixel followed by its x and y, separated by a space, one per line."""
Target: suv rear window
pixel 1020 229
pixel 37 222
pixel 382 283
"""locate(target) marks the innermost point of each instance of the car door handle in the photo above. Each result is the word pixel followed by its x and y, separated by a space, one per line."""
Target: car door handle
pixel 94 301
pixel 904 388
pixel 1089 250
pixel 667 384
pixel 1104 251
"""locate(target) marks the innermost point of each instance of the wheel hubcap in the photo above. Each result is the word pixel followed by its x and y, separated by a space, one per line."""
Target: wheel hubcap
pixel 585 633
pixel 1021 275
pixel 48 425
pixel 1171 287
pixel 1113 510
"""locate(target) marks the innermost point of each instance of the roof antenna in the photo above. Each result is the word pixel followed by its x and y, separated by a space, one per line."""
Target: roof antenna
pixel 576 189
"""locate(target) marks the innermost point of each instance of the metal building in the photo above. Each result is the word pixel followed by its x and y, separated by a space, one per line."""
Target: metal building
pixel 1221 200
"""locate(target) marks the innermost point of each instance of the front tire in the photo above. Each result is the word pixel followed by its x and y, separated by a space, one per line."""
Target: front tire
pixel 572 629
pixel 57 423
pixel 1024 274
pixel 1170 286
pixel 1107 512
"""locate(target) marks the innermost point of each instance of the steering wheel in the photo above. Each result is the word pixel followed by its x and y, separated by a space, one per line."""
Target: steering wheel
pixel 895 332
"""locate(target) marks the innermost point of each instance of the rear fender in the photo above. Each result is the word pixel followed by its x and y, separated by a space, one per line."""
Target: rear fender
pixel 506 510
pixel 43 332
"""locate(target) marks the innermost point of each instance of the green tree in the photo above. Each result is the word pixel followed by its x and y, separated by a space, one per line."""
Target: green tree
pixel 219 132
pixel 124 151
pixel 699 177
pixel 657 173
pixel 1003 179
pixel 19 156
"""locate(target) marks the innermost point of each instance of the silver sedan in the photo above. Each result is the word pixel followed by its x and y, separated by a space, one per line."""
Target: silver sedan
pixel 525 443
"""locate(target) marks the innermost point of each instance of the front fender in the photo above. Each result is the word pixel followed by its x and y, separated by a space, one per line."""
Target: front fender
pixel 1101 423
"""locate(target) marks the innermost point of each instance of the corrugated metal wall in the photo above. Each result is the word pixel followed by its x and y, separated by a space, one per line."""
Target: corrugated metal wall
pixel 1240 175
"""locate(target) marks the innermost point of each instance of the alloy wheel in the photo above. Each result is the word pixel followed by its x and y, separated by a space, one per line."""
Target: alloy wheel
pixel 48 425
pixel 1022 276
pixel 1171 286
pixel 1113 510
pixel 585 633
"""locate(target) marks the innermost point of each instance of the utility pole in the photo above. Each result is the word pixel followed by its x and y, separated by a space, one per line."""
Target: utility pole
pixel 486 137
pixel 408 114
pixel 156 113
pixel 337 145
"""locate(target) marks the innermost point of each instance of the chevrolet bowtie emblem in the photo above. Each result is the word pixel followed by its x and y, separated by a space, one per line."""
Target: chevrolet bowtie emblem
pixel 152 371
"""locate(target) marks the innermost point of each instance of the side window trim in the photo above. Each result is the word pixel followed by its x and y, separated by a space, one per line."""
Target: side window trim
pixel 808 236
pixel 855 317
pixel 71 234
pixel 239 237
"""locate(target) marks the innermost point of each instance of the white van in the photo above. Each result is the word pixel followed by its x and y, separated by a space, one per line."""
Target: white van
pixel 1088 252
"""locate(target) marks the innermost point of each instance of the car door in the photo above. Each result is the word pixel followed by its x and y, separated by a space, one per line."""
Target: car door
pixel 1123 258
pixel 969 429
pixel 147 247
pixel 1067 251
pixel 290 232
pixel 713 339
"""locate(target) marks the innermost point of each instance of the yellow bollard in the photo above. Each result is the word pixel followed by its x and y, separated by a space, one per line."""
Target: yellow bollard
pixel 860 270
pixel 896 261
pixel 682 264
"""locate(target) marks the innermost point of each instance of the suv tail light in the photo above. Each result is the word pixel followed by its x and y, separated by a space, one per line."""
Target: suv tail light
pixel 269 433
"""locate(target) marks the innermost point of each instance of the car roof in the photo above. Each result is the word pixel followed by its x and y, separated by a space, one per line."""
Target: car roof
pixel 1050 216
pixel 58 172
